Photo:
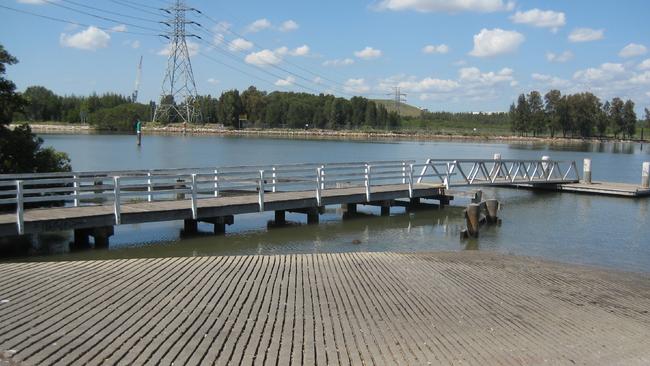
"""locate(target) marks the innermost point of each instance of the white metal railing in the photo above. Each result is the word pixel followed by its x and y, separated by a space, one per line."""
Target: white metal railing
pixel 461 173
pixel 117 188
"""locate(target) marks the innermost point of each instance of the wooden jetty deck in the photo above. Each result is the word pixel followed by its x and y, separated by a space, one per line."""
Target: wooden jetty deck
pixel 466 308
pixel 601 189
pixel 97 216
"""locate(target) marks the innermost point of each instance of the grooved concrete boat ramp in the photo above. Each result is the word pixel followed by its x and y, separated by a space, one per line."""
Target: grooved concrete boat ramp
pixel 470 308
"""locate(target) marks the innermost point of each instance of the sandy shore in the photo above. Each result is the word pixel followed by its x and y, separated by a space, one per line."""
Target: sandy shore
pixel 217 130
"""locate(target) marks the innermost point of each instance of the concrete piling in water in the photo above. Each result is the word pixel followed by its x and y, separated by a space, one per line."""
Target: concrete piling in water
pixel 492 208
pixel 587 171
pixel 280 218
pixel 645 175
pixel 472 216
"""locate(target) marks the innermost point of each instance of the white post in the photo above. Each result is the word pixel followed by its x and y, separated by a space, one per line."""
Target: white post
pixel 20 209
pixel 216 183
pixel 261 191
pixel 586 171
pixel 149 188
pixel 195 208
pixel 322 177
pixel 496 168
pixel 403 172
pixel 274 180
pixel 645 175
pixel 76 190
pixel 545 160
pixel 318 185
pixel 116 204
pixel 368 182
pixel 410 180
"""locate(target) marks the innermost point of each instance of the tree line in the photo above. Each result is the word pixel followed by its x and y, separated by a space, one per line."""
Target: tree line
pixel 575 115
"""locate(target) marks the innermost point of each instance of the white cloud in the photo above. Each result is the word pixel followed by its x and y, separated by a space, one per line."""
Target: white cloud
pixel 339 62
pixel 289 26
pixel 645 65
pixel 551 81
pixel 356 86
pixel 119 28
pixel 449 6
pixel 441 49
pixel 540 18
pixel 643 78
pixel 259 25
pixel 301 51
pixel 633 50
pixel 474 76
pixel 559 57
pixel 192 47
pixel 290 80
pixel 606 72
pixel 263 58
pixel 586 35
pixel 492 42
pixel 133 44
pixel 91 38
pixel 213 81
pixel 222 27
pixel 240 44
pixel 368 53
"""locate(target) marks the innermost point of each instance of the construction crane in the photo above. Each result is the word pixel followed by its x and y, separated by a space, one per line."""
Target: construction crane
pixel 134 96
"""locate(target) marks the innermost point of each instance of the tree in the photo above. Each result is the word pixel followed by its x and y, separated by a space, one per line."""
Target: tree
pixel 552 110
pixel 521 119
pixel 629 119
pixel 371 114
pixel 536 108
pixel 20 150
pixel 616 116
pixel 254 104
pixel 647 117
pixel 230 108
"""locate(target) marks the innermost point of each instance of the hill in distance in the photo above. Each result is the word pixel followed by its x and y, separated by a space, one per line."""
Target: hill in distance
pixel 407 110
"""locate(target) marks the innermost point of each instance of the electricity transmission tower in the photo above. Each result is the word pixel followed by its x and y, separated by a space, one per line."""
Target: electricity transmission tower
pixel 178 98
pixel 399 98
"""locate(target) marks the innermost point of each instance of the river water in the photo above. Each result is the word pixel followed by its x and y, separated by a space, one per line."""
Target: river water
pixel 602 231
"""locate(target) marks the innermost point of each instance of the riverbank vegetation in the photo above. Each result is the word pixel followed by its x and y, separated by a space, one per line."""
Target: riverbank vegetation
pixel 577 115
pixel 20 150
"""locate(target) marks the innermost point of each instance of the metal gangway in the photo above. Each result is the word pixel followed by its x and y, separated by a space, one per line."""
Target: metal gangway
pixel 500 172
pixel 120 190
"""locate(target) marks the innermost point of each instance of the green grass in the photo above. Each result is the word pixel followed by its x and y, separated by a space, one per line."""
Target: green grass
pixel 405 109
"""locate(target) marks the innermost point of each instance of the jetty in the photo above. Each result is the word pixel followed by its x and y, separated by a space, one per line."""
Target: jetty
pixel 465 308
pixel 93 203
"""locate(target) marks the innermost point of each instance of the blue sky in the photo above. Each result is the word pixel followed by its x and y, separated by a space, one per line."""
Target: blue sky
pixel 455 55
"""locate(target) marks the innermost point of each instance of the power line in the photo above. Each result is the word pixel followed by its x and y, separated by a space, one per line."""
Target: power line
pixel 72 22
pixel 136 6
pixel 399 98
pixel 111 12
pixel 261 47
pixel 100 16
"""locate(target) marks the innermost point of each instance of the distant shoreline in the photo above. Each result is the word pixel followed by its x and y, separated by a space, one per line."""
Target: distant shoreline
pixel 217 130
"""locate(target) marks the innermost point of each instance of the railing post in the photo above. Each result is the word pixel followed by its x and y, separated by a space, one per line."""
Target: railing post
pixel 545 160
pixel 368 182
pixel 410 180
pixel 20 209
pixel 322 177
pixel 216 182
pixel 195 208
pixel 149 188
pixel 261 191
pixel 76 190
pixel 645 175
pixel 116 203
pixel 403 172
pixel 318 185
pixel 274 179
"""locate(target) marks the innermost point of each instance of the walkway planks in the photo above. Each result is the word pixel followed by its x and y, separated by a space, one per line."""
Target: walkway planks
pixel 354 308
pixel 594 188
pixel 68 218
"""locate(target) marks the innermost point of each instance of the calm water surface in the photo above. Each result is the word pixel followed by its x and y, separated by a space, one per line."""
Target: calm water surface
pixel 602 231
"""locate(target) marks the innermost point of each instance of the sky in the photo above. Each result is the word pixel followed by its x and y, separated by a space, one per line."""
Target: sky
pixel 445 55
